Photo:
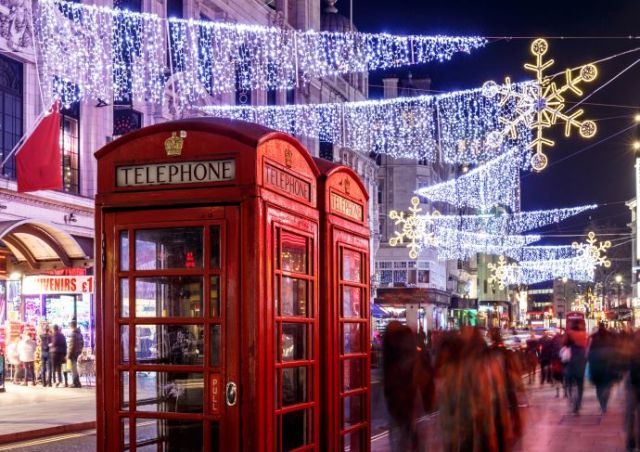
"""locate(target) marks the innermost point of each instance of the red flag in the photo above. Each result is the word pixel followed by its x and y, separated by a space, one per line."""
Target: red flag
pixel 39 159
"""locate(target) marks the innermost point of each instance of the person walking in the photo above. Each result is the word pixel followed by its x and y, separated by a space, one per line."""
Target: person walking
pixel 399 360
pixel 576 341
pixel 74 350
pixel 546 356
pixel 27 352
pixel 631 344
pixel 45 358
pixel 601 369
pixel 531 356
pixel 58 350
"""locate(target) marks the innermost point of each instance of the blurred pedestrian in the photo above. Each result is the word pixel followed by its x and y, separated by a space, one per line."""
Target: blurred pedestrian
pixel 27 352
pixel 45 357
pixel 399 359
pixel 546 356
pixel 74 350
pixel 576 341
pixel 601 364
pixel 13 358
pixel 531 357
pixel 58 350
pixel 632 392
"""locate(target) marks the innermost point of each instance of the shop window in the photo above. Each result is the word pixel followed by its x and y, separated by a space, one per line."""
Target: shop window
pixel 70 146
pixel 11 113
pixel 126 120
pixel 291 96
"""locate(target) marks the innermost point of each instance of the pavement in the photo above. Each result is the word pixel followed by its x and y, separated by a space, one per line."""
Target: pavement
pixel 28 409
pixel 549 425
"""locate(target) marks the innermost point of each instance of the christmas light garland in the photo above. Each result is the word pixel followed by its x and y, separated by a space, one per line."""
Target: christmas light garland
pixel 541 253
pixel 99 52
pixel 576 269
pixel 454 244
pixel 457 123
pixel 508 223
pixel 495 183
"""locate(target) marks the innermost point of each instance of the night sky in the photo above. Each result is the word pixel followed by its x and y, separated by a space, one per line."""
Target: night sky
pixel 602 174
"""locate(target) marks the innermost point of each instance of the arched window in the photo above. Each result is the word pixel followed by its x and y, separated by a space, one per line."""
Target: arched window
pixel 11 111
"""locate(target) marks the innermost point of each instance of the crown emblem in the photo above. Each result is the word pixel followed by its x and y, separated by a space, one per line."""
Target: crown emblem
pixel 288 155
pixel 173 144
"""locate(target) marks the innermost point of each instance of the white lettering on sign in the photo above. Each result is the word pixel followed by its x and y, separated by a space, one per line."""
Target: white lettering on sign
pixel 176 173
pixel 42 284
pixel 286 182
pixel 346 207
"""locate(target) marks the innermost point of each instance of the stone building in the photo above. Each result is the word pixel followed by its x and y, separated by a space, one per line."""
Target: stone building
pixel 54 230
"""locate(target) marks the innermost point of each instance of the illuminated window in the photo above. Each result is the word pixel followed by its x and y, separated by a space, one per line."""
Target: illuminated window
pixel 70 144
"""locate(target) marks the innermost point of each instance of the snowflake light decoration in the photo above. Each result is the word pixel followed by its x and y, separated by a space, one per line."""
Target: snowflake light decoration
pixel 414 228
pixel 541 105
pixel 502 273
pixel 594 250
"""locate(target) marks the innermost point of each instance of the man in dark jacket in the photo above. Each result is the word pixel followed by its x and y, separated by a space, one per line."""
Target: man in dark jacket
pixel 76 344
pixel 546 355
pixel 58 351
pixel 45 358
pixel 601 365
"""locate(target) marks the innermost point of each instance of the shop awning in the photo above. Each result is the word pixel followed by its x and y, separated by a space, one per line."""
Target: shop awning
pixel 40 246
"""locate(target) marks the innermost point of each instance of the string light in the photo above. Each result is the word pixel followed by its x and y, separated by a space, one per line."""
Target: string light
pixel 508 223
pixel 576 269
pixel 541 253
pixel 453 244
pixel 456 123
pixel 108 53
pixel 495 183
pixel 502 273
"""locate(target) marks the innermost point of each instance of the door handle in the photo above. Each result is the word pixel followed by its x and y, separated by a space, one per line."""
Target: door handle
pixel 232 393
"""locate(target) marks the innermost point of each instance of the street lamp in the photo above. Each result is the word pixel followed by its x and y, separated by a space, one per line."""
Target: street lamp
pixel 619 282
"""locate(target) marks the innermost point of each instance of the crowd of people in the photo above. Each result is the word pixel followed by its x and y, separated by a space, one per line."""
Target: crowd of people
pixel 58 357
pixel 477 385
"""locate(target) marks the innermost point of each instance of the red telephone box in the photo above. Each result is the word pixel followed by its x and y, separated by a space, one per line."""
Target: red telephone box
pixel 208 283
pixel 345 294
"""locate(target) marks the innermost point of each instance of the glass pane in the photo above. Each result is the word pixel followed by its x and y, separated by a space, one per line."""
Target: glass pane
pixel 174 392
pixel 124 297
pixel 214 431
pixel 124 251
pixel 352 410
pixel 180 435
pixel 293 252
pixel 158 249
pixel 124 428
pixel 169 296
pixel 214 296
pixel 294 385
pixel 124 391
pixel 294 430
pixel 215 345
pixel 351 297
pixel 214 236
pixel 170 344
pixel 353 374
pixel 352 442
pixel 351 265
pixel 294 341
pixel 352 338
pixel 294 297
pixel 124 343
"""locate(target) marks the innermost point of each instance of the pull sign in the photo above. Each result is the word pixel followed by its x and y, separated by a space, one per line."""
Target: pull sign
pixel 232 393
pixel 215 394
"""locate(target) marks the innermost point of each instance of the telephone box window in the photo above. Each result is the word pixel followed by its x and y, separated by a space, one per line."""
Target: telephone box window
pixel 294 297
pixel 168 434
pixel 351 299
pixel 352 338
pixel 214 345
pixel 294 341
pixel 214 296
pixel 352 266
pixel 294 430
pixel 124 251
pixel 214 237
pixel 170 392
pixel 124 391
pixel 352 411
pixel 124 297
pixel 353 374
pixel 170 344
pixel 161 249
pixel 169 296
pixel 124 344
pixel 293 252
pixel 294 385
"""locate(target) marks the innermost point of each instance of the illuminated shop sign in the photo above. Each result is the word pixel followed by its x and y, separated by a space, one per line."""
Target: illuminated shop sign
pixel 43 284
pixel 176 173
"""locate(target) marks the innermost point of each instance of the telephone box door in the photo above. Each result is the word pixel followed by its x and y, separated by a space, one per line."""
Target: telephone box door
pixel 171 319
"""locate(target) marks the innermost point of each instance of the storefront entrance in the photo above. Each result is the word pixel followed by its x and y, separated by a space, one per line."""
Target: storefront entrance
pixel 174 307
